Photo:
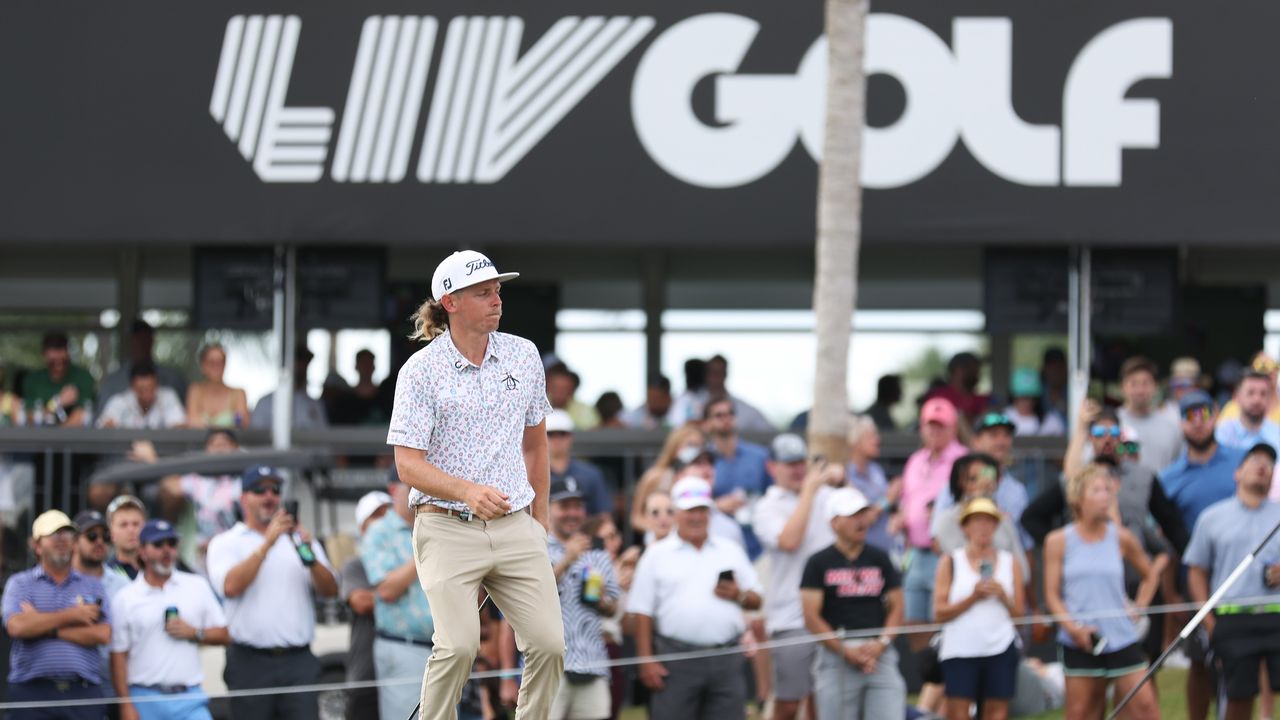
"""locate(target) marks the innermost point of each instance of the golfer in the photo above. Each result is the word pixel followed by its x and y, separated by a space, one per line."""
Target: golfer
pixel 470 439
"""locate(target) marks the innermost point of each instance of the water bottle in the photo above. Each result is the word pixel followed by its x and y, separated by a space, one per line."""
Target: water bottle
pixel 592 585
pixel 87 407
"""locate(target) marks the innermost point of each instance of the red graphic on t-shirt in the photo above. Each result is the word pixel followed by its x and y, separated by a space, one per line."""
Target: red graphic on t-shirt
pixel 855 582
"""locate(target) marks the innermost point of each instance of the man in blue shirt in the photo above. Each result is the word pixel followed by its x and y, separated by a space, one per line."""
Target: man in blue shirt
pixel 1203 476
pixel 1243 635
pixel 741 477
pixel 401 614
pixel 1252 425
pixel 57 618
pixel 565 466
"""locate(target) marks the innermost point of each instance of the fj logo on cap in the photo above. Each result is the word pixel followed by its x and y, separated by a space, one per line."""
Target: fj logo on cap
pixel 448 284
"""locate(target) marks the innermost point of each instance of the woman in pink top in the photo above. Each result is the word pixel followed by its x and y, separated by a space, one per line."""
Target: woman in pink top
pixel 927 473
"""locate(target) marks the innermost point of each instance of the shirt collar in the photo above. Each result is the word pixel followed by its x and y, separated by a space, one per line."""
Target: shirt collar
pixel 460 362
pixel 40 573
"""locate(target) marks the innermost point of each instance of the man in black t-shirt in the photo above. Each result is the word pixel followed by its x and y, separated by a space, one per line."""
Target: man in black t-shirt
pixel 854 587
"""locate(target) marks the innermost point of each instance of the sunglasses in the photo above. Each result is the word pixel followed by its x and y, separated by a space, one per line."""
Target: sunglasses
pixel 94 536
pixel 1127 448
pixel 166 543
pixel 1264 365
pixel 1197 413
pixel 1101 431
pixel 983 472
pixel 264 489
pixel 557 433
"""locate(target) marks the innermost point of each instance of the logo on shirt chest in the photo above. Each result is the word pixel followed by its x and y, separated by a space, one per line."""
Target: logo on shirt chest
pixel 855 582
pixel 509 382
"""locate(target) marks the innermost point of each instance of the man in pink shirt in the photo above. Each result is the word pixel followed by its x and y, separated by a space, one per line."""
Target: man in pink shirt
pixel 927 473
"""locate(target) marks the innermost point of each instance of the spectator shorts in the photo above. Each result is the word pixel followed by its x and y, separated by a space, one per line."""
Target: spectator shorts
pixel 994 677
pixel 1109 665
pixel 1239 643
pixel 577 700
pixel 917 585
pixel 792 666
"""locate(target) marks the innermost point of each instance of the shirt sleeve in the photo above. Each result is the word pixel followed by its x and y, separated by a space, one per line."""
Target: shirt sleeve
pixel 413 411
pixel 812 576
pixel 768 523
pixel 1200 549
pixel 222 556
pixel 539 406
pixel 15 591
pixel 121 640
pixel 211 613
pixel 174 413
pixel 353 578
pixel 111 411
pixel 644 587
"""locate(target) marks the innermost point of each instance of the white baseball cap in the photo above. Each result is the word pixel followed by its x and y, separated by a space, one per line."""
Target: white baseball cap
pixel 464 269
pixel 691 492
pixel 369 504
pixel 844 502
pixel 559 421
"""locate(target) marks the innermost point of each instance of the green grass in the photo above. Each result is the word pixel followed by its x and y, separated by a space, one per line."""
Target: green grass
pixel 1171 683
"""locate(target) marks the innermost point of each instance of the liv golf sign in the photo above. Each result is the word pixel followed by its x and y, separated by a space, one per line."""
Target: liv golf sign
pixel 496 94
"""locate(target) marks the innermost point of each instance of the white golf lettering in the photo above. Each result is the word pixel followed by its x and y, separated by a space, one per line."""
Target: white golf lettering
pixel 493 105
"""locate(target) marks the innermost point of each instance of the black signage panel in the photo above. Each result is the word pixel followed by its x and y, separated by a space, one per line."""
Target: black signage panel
pixel 1107 122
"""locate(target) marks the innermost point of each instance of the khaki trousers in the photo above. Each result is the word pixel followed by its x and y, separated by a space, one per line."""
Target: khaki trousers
pixel 507 556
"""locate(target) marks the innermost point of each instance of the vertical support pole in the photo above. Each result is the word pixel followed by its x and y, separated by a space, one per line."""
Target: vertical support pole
pixel 655 302
pixel 283 328
pixel 1079 328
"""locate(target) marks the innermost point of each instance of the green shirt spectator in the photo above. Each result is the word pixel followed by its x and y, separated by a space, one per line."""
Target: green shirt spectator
pixel 60 384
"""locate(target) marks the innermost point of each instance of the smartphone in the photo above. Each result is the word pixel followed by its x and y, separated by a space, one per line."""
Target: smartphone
pixel 170 613
pixel 291 509
pixel 726 576
pixel 985 569
pixel 597 543
pixel 1099 643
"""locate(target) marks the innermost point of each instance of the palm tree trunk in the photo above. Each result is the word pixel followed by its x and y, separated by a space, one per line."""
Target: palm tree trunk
pixel 839 225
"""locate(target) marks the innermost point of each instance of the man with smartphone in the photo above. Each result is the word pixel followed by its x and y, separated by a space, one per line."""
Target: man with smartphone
pixel 688 595
pixel 266 567
pixel 791 523
pixel 588 591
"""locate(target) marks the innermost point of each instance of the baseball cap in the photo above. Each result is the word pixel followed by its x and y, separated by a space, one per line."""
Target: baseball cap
pixel 259 474
pixel 1184 368
pixel 980 506
pixel 156 530
pixel 464 269
pixel 1194 399
pixel 369 504
pixel 1262 447
pixel 691 492
pixel 788 448
pixel 1025 383
pixel 938 410
pixel 50 522
pixel 565 488
pixel 559 421
pixel 123 501
pixel 993 420
pixel 86 519
pixel 844 502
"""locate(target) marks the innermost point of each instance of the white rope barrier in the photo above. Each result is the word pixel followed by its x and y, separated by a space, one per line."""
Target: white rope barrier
pixel 626 662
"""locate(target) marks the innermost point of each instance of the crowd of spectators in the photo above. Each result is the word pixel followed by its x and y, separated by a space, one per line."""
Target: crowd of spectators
pixel 722 546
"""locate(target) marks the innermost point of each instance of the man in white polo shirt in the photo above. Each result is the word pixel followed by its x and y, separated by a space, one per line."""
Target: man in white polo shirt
pixel 791 523
pixel 161 619
pixel 688 594
pixel 469 432
pixel 258 567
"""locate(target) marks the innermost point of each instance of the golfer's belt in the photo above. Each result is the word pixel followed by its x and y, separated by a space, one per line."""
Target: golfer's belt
pixel 1247 609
